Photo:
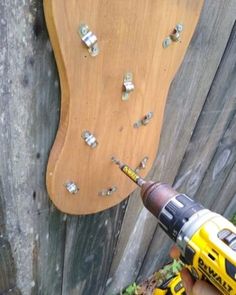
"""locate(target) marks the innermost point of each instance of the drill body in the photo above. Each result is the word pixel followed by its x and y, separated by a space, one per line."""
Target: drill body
pixel 173 286
pixel 206 239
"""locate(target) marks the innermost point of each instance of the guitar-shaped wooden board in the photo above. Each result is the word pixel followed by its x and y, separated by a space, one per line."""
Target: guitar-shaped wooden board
pixel 116 60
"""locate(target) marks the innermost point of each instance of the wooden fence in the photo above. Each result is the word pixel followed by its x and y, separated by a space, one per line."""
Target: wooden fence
pixel 43 251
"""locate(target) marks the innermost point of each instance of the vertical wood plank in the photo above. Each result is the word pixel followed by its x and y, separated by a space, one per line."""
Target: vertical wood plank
pixel 226 202
pixel 220 169
pixel 29 108
pixel 90 245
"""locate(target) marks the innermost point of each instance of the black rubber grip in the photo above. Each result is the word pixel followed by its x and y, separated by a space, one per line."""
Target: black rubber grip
pixel 173 217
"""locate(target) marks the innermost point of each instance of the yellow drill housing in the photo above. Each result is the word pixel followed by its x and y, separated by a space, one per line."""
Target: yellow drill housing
pixel 214 254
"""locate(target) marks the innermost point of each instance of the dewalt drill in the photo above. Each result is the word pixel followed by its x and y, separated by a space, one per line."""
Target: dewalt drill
pixel 207 240
pixel 173 286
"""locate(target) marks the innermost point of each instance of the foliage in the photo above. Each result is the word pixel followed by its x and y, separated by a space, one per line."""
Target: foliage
pixel 131 290
pixel 233 219
pixel 156 280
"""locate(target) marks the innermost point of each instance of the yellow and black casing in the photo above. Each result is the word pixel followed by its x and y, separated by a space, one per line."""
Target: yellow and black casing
pixel 206 239
pixel 211 252
pixel 173 286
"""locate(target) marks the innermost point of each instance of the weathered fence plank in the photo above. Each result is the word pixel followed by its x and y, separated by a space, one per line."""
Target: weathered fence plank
pixel 220 169
pixel 186 99
pixel 29 113
pixel 90 245
pixel 226 203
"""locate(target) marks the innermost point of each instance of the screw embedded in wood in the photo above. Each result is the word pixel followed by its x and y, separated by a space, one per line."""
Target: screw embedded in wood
pixel 89 138
pixel 84 29
pixel 89 39
pixel 166 43
pixel 142 164
pixel 116 161
pixel 147 118
pixel 179 28
pixel 108 192
pixel 144 121
pixel 72 187
pixel 128 85
pixel 174 36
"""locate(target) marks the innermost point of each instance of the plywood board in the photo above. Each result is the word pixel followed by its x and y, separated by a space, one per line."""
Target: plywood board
pixel 130 37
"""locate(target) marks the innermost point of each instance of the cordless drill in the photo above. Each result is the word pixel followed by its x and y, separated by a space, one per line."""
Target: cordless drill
pixel 207 240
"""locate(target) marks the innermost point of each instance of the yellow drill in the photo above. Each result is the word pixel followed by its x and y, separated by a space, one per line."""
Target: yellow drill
pixel 173 286
pixel 207 240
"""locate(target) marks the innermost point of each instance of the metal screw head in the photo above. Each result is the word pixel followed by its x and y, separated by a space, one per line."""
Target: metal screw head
pixel 179 28
pixel 111 190
pixel 83 30
pixel 89 138
pixel 142 164
pixel 85 134
pixel 137 124
pixel 94 50
pixel 128 77
pixel 72 187
pixel 175 36
pixel 166 43
pixel 147 118
pixel 128 85
pixel 108 192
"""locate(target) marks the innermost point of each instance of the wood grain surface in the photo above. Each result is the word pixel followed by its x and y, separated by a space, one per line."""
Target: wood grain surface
pixel 130 38
pixel 46 252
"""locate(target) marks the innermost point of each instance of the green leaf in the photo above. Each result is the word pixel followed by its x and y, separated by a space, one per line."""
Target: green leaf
pixel 233 219
pixel 131 290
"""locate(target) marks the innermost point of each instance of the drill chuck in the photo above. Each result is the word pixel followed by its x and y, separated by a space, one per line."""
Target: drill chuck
pixel 172 209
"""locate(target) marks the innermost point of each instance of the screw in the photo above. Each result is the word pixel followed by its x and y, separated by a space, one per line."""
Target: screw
pixel 72 187
pixel 83 29
pixel 108 192
pixel 166 43
pixel 89 138
pixel 111 190
pixel 147 118
pixel 175 36
pixel 86 134
pixel 94 50
pixel 179 28
pixel 128 85
pixel 137 124
pixel 142 164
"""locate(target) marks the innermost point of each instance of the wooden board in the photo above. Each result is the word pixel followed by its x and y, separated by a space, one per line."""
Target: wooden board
pixel 130 38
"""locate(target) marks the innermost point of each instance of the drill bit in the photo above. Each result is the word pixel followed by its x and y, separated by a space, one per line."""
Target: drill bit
pixel 129 172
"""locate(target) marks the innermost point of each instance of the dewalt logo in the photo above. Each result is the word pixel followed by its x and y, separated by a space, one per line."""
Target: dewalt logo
pixel 214 277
